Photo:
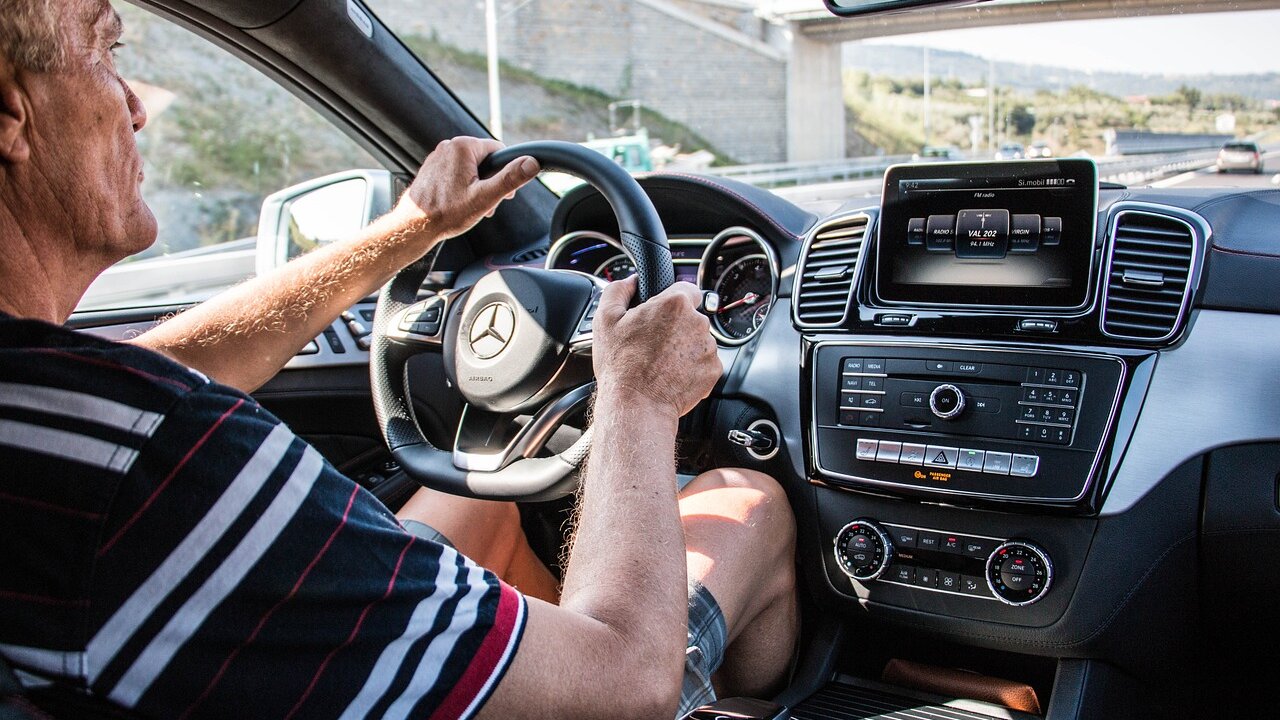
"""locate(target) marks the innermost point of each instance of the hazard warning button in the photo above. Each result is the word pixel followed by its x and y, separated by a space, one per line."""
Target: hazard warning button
pixel 937 456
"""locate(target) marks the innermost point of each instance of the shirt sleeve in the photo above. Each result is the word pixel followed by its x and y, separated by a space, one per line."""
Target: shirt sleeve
pixel 238 570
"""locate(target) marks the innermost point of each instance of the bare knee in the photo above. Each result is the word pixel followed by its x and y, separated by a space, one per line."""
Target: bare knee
pixel 759 501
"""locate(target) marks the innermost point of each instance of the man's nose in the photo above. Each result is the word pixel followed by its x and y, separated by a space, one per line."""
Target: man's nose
pixel 137 111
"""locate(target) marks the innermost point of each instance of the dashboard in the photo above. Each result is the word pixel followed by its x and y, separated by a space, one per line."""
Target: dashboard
pixel 1004 395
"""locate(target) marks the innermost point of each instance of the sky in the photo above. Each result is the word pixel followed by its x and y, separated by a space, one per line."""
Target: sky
pixel 1219 43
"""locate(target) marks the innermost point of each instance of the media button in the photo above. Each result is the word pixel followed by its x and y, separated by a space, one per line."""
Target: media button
pixel 1024 234
pixel 873 365
pixel 940 232
pixel 982 234
pixel 912 454
pixel 1051 232
pixel 915 231
pixel 867 449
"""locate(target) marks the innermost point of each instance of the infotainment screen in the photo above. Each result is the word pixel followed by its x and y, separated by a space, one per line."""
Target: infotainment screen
pixel 992 235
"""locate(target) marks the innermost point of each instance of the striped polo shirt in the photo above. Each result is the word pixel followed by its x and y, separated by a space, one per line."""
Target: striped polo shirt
pixel 168 544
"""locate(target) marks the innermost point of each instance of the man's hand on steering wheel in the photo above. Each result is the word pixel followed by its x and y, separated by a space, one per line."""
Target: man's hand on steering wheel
pixel 448 197
pixel 661 350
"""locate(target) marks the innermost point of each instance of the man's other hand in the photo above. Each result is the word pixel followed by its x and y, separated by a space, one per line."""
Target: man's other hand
pixel 661 350
pixel 448 198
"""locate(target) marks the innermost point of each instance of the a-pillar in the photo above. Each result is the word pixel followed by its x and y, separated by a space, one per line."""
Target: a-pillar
pixel 815 100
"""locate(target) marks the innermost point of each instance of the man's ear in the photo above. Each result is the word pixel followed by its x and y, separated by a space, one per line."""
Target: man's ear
pixel 14 119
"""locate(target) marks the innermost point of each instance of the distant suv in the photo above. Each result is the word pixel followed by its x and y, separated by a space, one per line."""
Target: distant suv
pixel 1240 156
pixel 1011 151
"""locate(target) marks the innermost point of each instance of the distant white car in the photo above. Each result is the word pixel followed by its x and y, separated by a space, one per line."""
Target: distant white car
pixel 1011 151
pixel 1240 155
pixel 1039 149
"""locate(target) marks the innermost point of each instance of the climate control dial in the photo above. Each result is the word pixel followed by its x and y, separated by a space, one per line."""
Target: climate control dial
pixel 1019 573
pixel 863 550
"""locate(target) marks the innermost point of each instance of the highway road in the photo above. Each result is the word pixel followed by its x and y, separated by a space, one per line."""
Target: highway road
pixel 1210 177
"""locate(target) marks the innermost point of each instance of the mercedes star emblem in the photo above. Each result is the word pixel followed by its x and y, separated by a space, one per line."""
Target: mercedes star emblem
pixel 492 330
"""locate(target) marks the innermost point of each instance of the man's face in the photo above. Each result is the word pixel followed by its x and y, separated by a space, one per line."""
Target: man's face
pixel 83 120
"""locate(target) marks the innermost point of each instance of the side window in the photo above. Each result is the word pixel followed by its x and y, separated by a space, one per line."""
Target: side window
pixel 220 138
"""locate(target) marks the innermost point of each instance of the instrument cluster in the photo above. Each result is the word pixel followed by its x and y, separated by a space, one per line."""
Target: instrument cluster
pixel 737 264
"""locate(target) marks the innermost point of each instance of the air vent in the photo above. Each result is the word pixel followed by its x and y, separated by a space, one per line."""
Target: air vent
pixel 529 256
pixel 827 272
pixel 1149 274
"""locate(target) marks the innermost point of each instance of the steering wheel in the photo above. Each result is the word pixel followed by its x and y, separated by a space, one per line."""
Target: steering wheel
pixel 515 344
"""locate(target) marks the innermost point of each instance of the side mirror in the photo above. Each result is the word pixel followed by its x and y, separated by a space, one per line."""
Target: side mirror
pixel 306 216
pixel 849 8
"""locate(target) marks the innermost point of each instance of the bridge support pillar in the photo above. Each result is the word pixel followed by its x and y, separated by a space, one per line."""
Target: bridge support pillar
pixel 815 100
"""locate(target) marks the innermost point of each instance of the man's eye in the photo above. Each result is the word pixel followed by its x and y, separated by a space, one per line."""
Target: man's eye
pixel 116 48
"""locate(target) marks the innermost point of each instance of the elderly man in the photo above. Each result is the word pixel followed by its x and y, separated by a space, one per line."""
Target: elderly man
pixel 171 548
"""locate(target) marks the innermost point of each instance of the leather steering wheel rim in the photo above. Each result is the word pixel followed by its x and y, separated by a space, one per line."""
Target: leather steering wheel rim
pixel 529 479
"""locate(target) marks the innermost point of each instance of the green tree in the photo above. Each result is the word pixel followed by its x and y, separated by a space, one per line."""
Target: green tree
pixel 1022 119
pixel 1189 96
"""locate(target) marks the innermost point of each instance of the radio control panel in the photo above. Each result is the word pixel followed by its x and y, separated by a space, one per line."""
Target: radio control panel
pixel 962 421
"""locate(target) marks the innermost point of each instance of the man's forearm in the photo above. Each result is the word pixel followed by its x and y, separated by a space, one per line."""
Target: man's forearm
pixel 627 565
pixel 243 336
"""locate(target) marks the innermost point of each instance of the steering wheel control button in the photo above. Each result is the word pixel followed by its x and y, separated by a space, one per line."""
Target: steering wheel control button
pixel 888 451
pixel 863 551
pixel 1024 466
pixel 938 456
pixel 997 463
pixel 867 449
pixel 1019 573
pixel 946 401
pixel 971 460
pixel 912 454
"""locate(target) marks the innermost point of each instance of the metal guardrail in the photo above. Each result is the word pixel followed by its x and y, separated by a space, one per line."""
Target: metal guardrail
pixel 1126 169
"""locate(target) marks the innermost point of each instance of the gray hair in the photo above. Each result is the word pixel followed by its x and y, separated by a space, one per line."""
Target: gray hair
pixel 29 34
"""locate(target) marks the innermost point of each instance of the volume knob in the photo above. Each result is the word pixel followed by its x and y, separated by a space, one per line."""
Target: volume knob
pixel 946 401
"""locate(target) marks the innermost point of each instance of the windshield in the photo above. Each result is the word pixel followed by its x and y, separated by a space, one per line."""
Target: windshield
pixel 780 94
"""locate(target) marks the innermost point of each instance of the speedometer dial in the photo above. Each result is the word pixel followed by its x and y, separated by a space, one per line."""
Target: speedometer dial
pixel 619 267
pixel 740 266
pixel 746 293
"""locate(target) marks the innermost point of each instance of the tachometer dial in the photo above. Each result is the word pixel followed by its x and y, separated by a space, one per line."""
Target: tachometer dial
pixel 618 267
pixel 746 293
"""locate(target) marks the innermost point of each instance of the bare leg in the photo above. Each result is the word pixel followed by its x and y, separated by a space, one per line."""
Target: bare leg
pixel 740 537
pixel 490 534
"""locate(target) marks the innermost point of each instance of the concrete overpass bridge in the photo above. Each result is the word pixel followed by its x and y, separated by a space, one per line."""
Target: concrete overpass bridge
pixel 815 102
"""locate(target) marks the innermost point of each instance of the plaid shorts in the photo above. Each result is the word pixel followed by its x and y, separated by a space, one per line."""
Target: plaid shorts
pixel 708 636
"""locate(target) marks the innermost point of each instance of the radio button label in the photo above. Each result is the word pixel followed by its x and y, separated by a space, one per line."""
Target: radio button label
pixel 939 234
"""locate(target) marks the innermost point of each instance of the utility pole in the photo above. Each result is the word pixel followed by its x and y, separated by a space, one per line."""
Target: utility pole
pixel 927 83
pixel 495 93
pixel 991 105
